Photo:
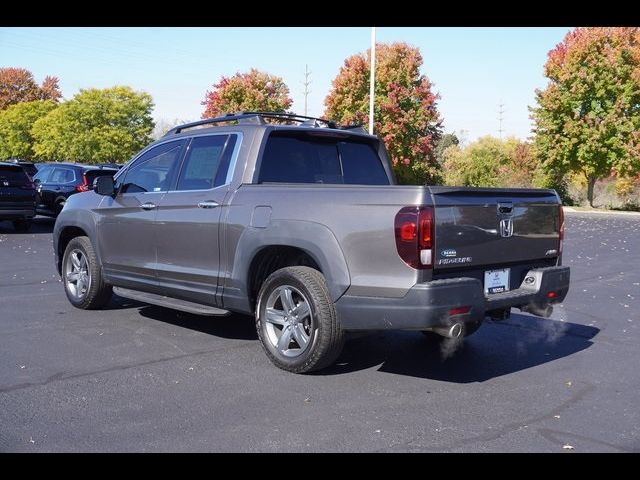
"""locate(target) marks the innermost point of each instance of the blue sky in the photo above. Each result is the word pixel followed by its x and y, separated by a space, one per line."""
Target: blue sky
pixel 473 69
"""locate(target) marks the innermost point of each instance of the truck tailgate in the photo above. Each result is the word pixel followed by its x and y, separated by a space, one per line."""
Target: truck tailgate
pixel 489 227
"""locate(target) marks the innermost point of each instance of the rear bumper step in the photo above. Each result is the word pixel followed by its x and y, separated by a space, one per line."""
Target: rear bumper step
pixel 163 301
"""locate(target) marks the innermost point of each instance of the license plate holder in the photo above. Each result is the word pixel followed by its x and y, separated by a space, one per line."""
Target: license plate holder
pixel 496 281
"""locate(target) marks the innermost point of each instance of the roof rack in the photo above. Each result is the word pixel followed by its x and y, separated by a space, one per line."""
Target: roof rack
pixel 258 118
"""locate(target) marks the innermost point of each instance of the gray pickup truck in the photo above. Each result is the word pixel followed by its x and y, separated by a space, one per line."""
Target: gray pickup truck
pixel 298 221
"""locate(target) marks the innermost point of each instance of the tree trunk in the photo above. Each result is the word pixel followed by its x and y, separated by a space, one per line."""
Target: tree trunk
pixel 591 181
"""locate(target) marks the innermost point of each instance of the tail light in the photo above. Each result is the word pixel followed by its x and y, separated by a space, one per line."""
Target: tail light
pixel 561 229
pixel 84 186
pixel 414 236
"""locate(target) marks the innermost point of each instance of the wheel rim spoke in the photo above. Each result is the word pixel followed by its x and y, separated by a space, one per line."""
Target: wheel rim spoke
pixel 300 335
pixel 275 316
pixel 285 339
pixel 286 297
pixel 302 310
pixel 75 261
pixel 73 276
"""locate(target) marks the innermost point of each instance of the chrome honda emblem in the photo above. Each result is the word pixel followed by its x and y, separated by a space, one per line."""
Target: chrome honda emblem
pixel 506 227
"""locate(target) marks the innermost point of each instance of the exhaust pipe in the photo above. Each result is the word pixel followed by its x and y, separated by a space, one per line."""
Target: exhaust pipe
pixel 539 310
pixel 454 331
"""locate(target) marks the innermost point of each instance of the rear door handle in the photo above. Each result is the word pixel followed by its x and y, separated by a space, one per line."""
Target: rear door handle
pixel 148 206
pixel 208 204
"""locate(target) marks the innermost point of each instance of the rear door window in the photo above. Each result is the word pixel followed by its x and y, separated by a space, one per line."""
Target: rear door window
pixel 62 175
pixel 296 158
pixel 43 173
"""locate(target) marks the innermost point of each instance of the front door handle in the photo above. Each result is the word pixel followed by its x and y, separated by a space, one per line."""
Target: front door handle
pixel 208 204
pixel 148 206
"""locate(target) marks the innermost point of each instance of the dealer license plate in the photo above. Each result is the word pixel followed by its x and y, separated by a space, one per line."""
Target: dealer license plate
pixel 496 281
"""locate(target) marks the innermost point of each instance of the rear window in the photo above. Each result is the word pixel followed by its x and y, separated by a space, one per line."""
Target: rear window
pixel 292 158
pixel 10 175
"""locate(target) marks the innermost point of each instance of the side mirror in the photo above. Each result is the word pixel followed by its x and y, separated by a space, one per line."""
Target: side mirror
pixel 104 185
pixel 37 181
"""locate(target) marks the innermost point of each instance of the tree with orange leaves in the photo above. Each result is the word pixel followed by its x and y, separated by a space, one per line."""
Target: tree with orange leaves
pixel 405 114
pixel 17 85
pixel 587 119
pixel 250 91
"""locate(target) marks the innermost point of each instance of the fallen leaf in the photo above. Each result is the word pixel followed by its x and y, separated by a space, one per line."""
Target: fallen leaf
pixel 556 416
pixel 567 447
pixel 569 384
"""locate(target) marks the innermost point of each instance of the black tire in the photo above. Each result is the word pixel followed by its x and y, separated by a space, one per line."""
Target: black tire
pixel 22 225
pixel 97 293
pixel 325 336
pixel 59 206
pixel 469 328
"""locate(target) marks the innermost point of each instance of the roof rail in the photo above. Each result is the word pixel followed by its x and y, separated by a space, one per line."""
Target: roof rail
pixel 257 118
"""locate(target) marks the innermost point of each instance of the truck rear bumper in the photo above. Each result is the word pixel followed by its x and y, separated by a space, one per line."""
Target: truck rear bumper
pixel 432 304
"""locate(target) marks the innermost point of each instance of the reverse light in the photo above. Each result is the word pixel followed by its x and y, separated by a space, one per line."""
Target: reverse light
pixel 414 236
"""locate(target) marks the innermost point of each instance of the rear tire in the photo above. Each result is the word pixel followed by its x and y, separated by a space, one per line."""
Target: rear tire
pixel 297 322
pixel 82 276
pixel 22 225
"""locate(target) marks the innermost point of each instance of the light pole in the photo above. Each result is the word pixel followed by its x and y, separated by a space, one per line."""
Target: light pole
pixel 372 78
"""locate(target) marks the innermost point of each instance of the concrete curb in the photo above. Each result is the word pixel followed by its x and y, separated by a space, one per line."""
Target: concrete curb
pixel 597 212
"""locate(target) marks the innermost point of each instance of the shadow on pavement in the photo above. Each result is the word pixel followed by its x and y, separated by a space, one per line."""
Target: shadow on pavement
pixel 498 348
pixel 39 225
pixel 234 326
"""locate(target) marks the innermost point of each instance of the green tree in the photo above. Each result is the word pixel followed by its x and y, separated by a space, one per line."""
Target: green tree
pixel 17 85
pixel 490 162
pixel 250 91
pixel 445 142
pixel 16 123
pixel 96 126
pixel 405 114
pixel 587 119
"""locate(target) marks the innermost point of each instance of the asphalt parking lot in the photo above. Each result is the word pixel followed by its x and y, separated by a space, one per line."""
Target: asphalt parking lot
pixel 143 378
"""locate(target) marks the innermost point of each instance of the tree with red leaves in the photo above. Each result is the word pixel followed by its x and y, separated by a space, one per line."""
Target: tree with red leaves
pixel 17 85
pixel 250 91
pixel 588 118
pixel 405 114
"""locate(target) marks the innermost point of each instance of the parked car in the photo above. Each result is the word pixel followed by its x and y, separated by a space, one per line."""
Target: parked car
pixel 303 226
pixel 56 182
pixel 17 196
pixel 28 167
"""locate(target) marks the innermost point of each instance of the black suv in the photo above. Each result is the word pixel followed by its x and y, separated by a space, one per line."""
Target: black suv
pixel 57 181
pixel 17 196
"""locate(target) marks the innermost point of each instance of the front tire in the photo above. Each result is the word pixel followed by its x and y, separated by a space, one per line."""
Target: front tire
pixel 82 276
pixel 297 322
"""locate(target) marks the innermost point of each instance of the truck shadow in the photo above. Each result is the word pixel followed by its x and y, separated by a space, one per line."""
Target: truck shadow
pixel 240 327
pixel 498 348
